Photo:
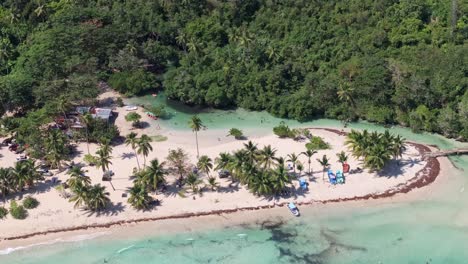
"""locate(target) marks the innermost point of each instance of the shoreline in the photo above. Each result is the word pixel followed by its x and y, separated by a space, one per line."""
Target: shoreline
pixel 424 177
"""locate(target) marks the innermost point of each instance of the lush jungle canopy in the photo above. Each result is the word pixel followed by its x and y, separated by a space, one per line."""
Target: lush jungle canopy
pixel 388 61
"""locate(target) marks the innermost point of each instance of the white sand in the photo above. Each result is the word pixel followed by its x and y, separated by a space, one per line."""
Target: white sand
pixel 55 212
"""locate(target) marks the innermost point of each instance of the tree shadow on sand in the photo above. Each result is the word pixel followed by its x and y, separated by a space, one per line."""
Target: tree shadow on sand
pixel 127 155
pixel 396 168
pixel 111 210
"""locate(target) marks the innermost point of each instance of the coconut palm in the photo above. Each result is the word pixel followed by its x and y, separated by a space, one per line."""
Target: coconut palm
pixel 261 184
pixel 212 183
pixel 193 182
pixel 325 164
pixel 87 120
pixel 300 168
pixel 77 177
pixel 56 147
pixel 251 150
pixel 155 174
pixel 105 146
pixel 236 164
pixel 144 147
pixel 139 197
pixel 342 157
pixel 80 194
pixel 205 164
pixel 196 125
pixel 294 159
pixel 377 157
pixel 309 153
pixel 103 159
pixel 24 174
pixel 267 156
pixel 132 140
pixel 398 146
pixel 222 161
pixel 97 198
pixel 280 178
pixel 6 181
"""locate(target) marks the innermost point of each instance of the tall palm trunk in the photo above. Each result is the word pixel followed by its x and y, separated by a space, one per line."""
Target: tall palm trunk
pixel 87 139
pixel 196 140
pixel 136 155
pixel 309 167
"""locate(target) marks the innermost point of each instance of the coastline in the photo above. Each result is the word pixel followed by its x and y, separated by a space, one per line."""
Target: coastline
pixel 364 188
pixel 423 178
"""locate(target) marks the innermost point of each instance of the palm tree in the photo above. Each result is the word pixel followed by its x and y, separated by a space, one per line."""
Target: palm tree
pixel 144 147
pixel 193 182
pixel 205 164
pixel 325 164
pixel 63 105
pixel 342 157
pixel 132 140
pixel 377 156
pixel 24 174
pixel 139 197
pixel 87 120
pixel 155 174
pixel 261 184
pixel 300 168
pixel 293 158
pixel 251 150
pixel 55 147
pixel 212 183
pixel 97 198
pixel 80 194
pixel 398 146
pixel 77 177
pixel 267 156
pixel 103 159
pixel 196 125
pixel 6 181
pixel 222 161
pixel 280 178
pixel 236 165
pixel 309 153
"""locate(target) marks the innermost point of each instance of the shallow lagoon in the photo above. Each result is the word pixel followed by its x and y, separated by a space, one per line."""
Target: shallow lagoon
pixel 433 229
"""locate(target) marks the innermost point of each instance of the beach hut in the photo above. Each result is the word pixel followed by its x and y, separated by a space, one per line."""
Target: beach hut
pixel 331 177
pixel 303 184
pixel 340 177
pixel 346 167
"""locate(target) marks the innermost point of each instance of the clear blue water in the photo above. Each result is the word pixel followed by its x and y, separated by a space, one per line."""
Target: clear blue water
pixel 432 229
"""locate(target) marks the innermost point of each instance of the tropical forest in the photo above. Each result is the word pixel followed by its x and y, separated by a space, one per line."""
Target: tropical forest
pixel 391 62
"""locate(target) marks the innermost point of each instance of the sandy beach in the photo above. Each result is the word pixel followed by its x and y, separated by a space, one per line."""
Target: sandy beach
pixel 57 214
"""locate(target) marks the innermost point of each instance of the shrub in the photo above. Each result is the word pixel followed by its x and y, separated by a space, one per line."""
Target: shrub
pixel 30 202
pixel 17 211
pixel 3 212
pixel 282 130
pixel 236 133
pixel 317 143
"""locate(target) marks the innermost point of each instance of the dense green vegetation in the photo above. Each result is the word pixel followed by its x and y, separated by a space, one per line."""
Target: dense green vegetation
pixel 392 61
pixel 30 202
pixel 375 148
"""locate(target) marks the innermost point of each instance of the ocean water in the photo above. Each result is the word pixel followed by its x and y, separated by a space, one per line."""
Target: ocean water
pixel 431 229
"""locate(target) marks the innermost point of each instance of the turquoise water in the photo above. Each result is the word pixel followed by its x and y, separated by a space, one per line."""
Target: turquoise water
pixel 432 229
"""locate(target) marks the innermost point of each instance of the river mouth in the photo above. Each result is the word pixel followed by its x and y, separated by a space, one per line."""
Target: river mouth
pixel 433 228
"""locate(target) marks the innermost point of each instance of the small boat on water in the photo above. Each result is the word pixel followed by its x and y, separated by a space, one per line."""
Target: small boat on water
pixel 293 208
pixel 131 108
pixel 154 95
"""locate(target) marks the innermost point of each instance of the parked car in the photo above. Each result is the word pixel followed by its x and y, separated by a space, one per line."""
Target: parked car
pixel 21 157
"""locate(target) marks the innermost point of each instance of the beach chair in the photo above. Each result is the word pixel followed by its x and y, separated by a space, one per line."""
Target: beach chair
pixel 303 184
pixel 340 177
pixel 331 177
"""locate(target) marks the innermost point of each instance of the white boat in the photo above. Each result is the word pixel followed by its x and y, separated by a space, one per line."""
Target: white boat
pixel 131 108
pixel 293 208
